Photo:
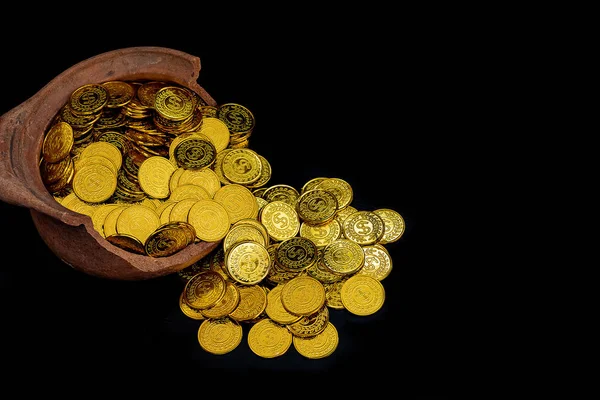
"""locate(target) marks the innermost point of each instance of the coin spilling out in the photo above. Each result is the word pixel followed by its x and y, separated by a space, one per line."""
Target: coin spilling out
pixel 157 169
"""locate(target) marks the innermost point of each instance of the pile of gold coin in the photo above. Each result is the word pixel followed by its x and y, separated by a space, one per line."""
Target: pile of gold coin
pixel 156 169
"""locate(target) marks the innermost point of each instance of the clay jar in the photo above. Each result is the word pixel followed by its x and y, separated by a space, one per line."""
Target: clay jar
pixel 70 235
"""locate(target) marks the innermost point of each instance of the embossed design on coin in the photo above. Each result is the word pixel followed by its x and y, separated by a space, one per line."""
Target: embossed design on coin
pixel 138 221
pixel 323 274
pixel 275 309
pixel 217 131
pixel 268 339
pixel 219 336
pixel 189 311
pixel 333 296
pixel 378 262
pixel 312 184
pixel 310 325
pixel 296 254
pixel 280 219
pixel 253 301
pixel 195 153
pixel 58 142
pixel 362 295
pixel 339 188
pixel 316 206
pixel 343 257
pixel 119 93
pixel 243 232
pixel 363 227
pixel 242 166
pixel 303 295
pixel 281 192
pixel 393 225
pixel 94 183
pixel 174 103
pixel 238 118
pixel 238 200
pixel 247 262
pixel 204 290
pixel 164 242
pixel 154 175
pixel 265 174
pixel 210 220
pixel 104 149
pixel 318 346
pixel 321 235
pixel 226 305
pixel 88 99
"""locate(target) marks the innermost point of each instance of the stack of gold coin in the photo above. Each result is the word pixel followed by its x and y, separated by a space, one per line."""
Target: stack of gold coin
pixel 240 122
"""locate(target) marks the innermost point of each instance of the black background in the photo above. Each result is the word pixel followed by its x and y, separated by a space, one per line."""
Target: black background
pixel 354 102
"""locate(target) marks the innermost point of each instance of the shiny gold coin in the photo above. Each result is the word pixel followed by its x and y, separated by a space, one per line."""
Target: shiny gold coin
pixel 281 192
pixel 181 209
pixel 210 220
pixel 393 224
pixel 81 207
pixel 280 219
pixel 77 121
pixel 94 159
pixel 242 166
pixel 165 213
pixel 194 153
pixel 364 228
pixel 339 188
pixel 238 200
pixel 162 205
pixel 99 216
pixel 275 309
pixel 226 305
pixel 341 215
pixel 58 142
pixel 323 234
pixel 218 166
pixel 189 311
pixel 217 131
pixel 127 242
pixel 268 339
pixel 205 177
pixel 296 254
pixel 312 184
pixel 209 111
pixel 333 294
pixel 219 336
pixel 119 93
pixel 53 172
pixel 146 93
pixel 256 224
pixel 261 203
pixel 378 262
pixel 362 295
pixel 174 180
pixel 343 257
pixel 189 191
pixel 303 295
pixel 265 174
pixel 204 290
pixel 247 262
pixel 174 103
pixel 242 233
pixel 316 206
pixel 164 242
pixel 238 118
pixel 310 325
pixel 64 181
pixel 105 149
pixel 94 183
pixel 138 221
pixel 318 346
pixel 109 227
pixel 88 99
pixel 253 301
pixel 154 175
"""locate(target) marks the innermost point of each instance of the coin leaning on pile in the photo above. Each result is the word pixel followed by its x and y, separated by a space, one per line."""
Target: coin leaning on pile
pixel 157 169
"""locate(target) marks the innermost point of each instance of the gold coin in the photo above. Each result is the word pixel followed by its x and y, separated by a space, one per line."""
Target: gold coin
pixel 362 295
pixel 281 192
pixel 165 213
pixel 81 207
pixel 241 233
pixel 343 257
pixel 208 111
pixel 312 184
pixel 53 173
pixel 378 262
pixel 204 290
pixel 253 301
pixel 275 309
pixel 119 93
pixel 189 311
pixel 189 192
pixel 310 325
pixel 333 296
pixel 109 227
pixel 339 188
pixel 218 166
pixel 318 346
pixel 296 254
pixel 238 118
pixel 323 234
pixel 342 214
pixel 94 183
pixel 166 241
pixel 181 209
pixel 238 200
pixel 78 121
pixel 194 153
pixel 316 206
pixel 127 242
pixel 242 166
pixel 303 295
pixel 105 149
pixel 146 93
pixel 247 262
pixel 226 305
pixel 261 203
pixel 256 224
pixel 219 336
pixel 210 220
pixel 154 175
pixel 88 99
pixel 138 221
pixel 265 174
pixel 205 177
pixel 280 219
pixel 94 159
pixel 268 339
pixel 58 142
pixel 174 103
pixel 393 224
pixel 99 216
pixel 364 227
pixel 217 131
pixel 174 180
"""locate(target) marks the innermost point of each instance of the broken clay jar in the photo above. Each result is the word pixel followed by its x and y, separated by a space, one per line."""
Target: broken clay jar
pixel 70 235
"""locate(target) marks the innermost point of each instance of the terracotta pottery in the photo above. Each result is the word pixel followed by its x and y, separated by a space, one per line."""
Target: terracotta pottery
pixel 70 235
